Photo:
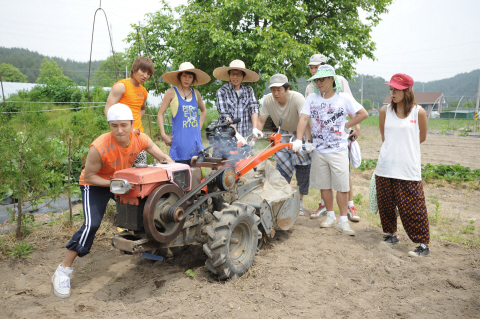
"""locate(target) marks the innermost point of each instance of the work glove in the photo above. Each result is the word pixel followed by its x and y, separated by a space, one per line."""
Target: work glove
pixel 309 147
pixel 297 146
pixel 257 133
pixel 240 139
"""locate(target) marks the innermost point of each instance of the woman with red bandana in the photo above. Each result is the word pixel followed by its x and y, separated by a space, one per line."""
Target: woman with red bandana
pixel 398 176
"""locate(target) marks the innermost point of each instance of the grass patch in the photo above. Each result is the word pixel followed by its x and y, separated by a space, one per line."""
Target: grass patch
pixel 53 228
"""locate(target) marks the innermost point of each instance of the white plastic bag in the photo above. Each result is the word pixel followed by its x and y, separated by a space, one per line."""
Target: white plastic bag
pixel 355 154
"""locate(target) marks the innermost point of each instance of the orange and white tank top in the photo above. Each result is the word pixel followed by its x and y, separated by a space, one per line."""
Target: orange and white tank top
pixel 135 98
pixel 115 158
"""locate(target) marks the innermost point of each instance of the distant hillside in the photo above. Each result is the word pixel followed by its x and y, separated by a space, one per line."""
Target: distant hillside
pixel 463 84
pixel 29 63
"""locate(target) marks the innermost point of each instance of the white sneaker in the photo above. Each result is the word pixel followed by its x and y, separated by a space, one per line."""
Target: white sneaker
pixel 328 222
pixel 345 228
pixel 61 282
pixel 301 212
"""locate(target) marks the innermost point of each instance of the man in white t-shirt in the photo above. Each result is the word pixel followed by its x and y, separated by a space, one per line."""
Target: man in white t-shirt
pixel 328 111
pixel 286 104
pixel 314 63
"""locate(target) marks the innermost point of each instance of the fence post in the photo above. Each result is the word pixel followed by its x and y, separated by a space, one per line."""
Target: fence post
pixel 20 198
pixel 3 95
pixel 69 169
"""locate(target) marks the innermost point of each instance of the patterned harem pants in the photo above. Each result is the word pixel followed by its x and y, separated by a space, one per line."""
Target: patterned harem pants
pixel 408 196
pixel 303 177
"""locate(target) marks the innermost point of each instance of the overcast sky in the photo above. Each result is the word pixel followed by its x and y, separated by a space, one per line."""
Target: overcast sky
pixel 427 39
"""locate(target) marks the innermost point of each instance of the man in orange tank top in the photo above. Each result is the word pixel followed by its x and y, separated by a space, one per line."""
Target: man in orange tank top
pixel 109 153
pixel 131 93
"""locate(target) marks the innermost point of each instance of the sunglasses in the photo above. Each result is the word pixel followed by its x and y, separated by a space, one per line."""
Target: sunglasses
pixel 320 79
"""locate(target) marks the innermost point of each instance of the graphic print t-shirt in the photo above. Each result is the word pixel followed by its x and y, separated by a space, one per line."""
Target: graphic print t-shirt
pixel 328 120
pixel 115 158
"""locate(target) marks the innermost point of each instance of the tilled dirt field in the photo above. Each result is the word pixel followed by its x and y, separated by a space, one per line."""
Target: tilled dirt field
pixel 305 272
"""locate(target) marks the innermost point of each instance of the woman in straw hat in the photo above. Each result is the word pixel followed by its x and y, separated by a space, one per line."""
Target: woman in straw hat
pixel 237 100
pixel 184 103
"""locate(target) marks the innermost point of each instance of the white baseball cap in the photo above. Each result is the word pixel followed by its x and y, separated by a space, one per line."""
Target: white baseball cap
pixel 278 80
pixel 119 112
pixel 317 59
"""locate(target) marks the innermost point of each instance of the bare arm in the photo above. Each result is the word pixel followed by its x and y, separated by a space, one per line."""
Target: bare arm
pixel 359 116
pixel 381 122
pixel 303 122
pixel 156 152
pixel 260 122
pixel 255 119
pixel 115 95
pixel 308 132
pixel 356 131
pixel 167 99
pixel 92 165
pixel 203 109
pixel 422 124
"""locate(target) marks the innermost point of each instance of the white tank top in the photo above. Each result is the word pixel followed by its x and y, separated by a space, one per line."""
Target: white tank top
pixel 400 153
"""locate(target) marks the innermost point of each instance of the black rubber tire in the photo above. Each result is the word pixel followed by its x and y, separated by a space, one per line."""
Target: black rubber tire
pixel 226 258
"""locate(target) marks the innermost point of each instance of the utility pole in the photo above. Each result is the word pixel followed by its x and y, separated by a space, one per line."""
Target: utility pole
pixel 478 95
pixel 361 93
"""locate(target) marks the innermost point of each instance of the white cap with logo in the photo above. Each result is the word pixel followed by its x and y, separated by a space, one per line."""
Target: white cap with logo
pixel 119 112
pixel 317 59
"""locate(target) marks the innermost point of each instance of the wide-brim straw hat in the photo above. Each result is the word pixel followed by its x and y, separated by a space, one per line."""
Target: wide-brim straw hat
pixel 172 77
pixel 221 73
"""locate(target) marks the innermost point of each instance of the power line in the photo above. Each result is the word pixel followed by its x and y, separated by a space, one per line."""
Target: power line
pixel 40 111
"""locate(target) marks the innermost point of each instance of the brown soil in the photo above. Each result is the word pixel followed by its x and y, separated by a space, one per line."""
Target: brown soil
pixel 305 272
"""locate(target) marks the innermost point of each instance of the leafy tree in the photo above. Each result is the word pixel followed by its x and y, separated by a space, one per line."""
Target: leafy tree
pixel 104 76
pixel 367 104
pixel 28 158
pixel 49 71
pixel 469 105
pixel 270 36
pixel 11 74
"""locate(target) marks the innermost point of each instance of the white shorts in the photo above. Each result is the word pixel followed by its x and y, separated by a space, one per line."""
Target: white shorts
pixel 330 171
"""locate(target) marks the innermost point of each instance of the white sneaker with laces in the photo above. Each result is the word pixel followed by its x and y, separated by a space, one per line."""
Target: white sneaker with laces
pixel 61 282
pixel 328 222
pixel 345 228
pixel 302 211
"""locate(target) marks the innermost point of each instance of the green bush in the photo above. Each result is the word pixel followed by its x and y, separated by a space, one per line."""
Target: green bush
pixel 450 173
pixel 78 97
pixel 212 115
pixel 59 90
pixel 21 250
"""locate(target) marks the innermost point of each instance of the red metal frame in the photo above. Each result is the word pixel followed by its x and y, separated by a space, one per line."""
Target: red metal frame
pixel 144 180
pixel 245 165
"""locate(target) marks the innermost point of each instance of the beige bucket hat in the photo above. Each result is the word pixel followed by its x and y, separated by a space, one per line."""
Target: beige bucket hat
pixel 172 77
pixel 221 73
